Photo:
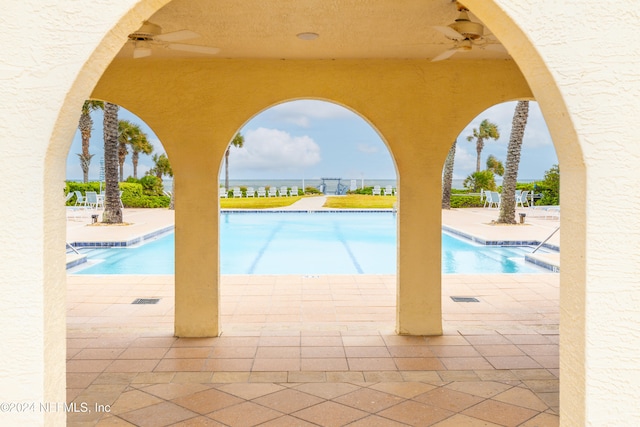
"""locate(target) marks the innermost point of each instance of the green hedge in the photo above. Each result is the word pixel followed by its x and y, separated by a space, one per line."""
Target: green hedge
pixel 133 194
pixel 466 202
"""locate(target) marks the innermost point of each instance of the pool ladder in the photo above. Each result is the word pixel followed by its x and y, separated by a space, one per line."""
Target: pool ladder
pixel 545 240
pixel 72 248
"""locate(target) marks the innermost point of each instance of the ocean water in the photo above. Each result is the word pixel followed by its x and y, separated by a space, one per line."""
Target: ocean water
pixel 456 184
pixel 303 183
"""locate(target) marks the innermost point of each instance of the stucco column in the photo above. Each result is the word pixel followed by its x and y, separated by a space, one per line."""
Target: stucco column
pixel 419 308
pixel 197 276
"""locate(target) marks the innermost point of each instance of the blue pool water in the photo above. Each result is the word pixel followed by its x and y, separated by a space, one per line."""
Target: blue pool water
pixel 307 243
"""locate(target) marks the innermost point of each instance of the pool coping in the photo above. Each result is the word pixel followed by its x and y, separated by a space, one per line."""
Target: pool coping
pixel 485 242
pixel 122 243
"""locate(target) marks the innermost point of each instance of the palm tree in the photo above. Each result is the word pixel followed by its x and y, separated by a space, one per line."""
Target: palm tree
pixel 112 213
pixel 130 134
pixel 125 132
pixel 508 202
pixel 238 141
pixel 495 165
pixel 139 145
pixel 161 166
pixel 85 125
pixel 485 130
pixel 447 178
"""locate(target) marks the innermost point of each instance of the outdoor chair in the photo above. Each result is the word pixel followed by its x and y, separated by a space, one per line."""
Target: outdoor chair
pixel 294 191
pixel 388 191
pixel 237 192
pixel 261 192
pixel 222 192
pixel 251 192
pixel 376 190
pixel 284 191
pixel 496 197
pixel 491 198
pixel 91 199
pixel 522 199
pixel 79 198
pixel 273 192
pixel 487 199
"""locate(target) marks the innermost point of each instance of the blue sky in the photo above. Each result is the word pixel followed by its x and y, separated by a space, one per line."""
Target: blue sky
pixel 312 139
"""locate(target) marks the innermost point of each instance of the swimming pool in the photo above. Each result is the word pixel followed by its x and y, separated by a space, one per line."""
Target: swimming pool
pixel 306 243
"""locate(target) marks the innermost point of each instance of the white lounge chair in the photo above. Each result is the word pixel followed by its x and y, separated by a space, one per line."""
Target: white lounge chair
pixel 222 192
pixel 273 192
pixel 376 190
pixel 294 191
pixel 497 198
pixel 251 192
pixel 487 198
pixel 91 199
pixel 492 198
pixel 284 191
pixel 237 192
pixel 388 190
pixel 522 199
pixel 79 198
pixel 261 192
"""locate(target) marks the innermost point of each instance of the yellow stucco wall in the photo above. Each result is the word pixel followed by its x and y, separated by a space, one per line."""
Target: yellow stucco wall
pixel 581 64
pixel 418 107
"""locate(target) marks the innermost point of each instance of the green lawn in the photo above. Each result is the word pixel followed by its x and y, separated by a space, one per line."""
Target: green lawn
pixel 257 202
pixel 351 201
pixel 360 201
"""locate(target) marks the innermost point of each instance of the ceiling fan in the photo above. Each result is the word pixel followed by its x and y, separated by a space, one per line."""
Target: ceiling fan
pixel 465 33
pixel 150 35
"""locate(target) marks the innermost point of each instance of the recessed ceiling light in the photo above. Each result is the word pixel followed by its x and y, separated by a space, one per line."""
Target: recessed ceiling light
pixel 307 36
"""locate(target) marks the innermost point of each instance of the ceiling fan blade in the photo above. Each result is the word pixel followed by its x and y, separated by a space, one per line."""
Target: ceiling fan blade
pixel 205 50
pixel 444 55
pixel 176 36
pixel 141 50
pixel 449 32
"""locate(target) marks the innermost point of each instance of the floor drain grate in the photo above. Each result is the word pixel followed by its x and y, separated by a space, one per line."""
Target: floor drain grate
pixel 146 301
pixel 465 299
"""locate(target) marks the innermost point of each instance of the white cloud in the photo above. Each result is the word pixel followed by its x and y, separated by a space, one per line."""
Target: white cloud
pixel 367 148
pixel 273 149
pixel 302 112
pixel 465 162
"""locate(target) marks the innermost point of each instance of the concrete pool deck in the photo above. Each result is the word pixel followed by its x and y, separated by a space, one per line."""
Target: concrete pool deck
pixel 315 350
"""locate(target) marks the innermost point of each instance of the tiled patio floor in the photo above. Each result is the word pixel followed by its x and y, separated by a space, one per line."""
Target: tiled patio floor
pixel 315 351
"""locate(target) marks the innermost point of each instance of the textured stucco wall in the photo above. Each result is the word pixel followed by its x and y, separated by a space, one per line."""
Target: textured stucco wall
pixel 582 69
pixel 44 78
pixel 585 49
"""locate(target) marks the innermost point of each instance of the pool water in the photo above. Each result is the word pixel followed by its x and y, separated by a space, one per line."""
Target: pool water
pixel 307 243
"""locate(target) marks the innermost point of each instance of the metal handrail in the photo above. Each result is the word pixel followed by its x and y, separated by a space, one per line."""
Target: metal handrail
pixel 545 240
pixel 72 248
